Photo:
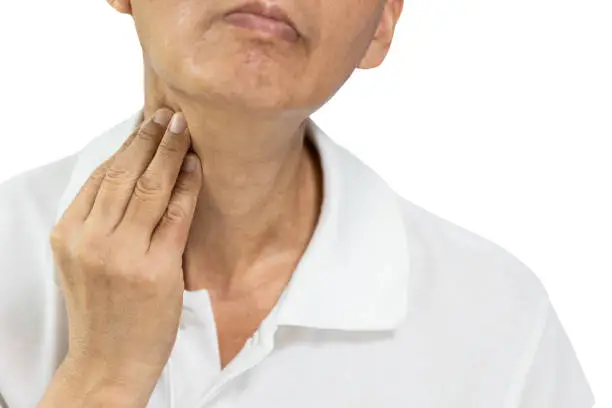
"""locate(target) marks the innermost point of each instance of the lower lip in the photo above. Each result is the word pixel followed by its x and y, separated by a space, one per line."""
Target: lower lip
pixel 262 24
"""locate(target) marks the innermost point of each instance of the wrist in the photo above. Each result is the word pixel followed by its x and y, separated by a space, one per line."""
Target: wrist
pixel 102 385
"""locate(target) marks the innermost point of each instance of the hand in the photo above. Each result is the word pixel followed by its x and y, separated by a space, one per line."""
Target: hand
pixel 119 248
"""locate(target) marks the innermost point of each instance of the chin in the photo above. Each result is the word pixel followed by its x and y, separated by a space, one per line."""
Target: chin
pixel 256 102
pixel 246 87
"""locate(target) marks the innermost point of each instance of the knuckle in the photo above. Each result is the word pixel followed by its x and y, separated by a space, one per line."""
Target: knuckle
pixel 185 185
pixel 122 270
pixel 145 280
pixel 138 276
pixel 57 238
pixel 90 249
pixel 94 180
pixel 169 148
pixel 149 133
pixel 87 258
pixel 175 213
pixel 100 172
pixel 128 141
pixel 116 175
pixel 62 235
pixel 148 188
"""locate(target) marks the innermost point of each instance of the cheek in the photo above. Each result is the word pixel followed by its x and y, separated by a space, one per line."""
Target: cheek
pixel 346 33
pixel 164 26
pixel 341 47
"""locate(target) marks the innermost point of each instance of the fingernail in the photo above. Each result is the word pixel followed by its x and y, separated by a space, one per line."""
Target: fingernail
pixel 162 116
pixel 178 123
pixel 189 164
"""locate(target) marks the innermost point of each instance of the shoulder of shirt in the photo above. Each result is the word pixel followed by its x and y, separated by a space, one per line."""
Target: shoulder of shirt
pixel 28 206
pixel 466 280
pixel 472 297
pixel 461 260
pixel 29 200
pixel 473 293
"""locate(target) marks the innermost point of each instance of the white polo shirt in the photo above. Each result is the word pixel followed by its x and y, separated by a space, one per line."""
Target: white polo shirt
pixel 390 306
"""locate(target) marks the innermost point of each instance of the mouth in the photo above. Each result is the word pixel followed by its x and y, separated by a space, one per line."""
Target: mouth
pixel 266 18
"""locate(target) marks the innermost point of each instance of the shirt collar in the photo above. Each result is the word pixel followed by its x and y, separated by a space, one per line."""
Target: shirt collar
pixel 354 272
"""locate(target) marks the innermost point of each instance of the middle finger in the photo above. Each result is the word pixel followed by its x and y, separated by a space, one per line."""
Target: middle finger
pixel 125 169
pixel 154 188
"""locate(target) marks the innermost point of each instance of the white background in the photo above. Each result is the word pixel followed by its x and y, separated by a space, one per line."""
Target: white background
pixel 496 115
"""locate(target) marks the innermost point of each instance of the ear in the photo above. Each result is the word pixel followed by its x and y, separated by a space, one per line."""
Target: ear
pixel 122 6
pixel 383 36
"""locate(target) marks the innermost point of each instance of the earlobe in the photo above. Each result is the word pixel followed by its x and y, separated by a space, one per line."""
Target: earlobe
pixel 375 55
pixel 122 6
pixel 381 42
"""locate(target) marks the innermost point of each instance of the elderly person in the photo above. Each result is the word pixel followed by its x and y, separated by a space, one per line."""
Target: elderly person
pixel 218 249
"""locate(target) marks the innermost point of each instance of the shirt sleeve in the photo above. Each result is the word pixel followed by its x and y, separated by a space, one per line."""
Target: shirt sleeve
pixel 550 375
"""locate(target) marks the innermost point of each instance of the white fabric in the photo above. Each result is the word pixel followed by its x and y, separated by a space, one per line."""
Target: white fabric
pixel 390 306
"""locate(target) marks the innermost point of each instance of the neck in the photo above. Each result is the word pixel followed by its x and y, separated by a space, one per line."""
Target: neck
pixel 260 197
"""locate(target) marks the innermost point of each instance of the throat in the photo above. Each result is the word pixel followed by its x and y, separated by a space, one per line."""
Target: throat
pixel 237 319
